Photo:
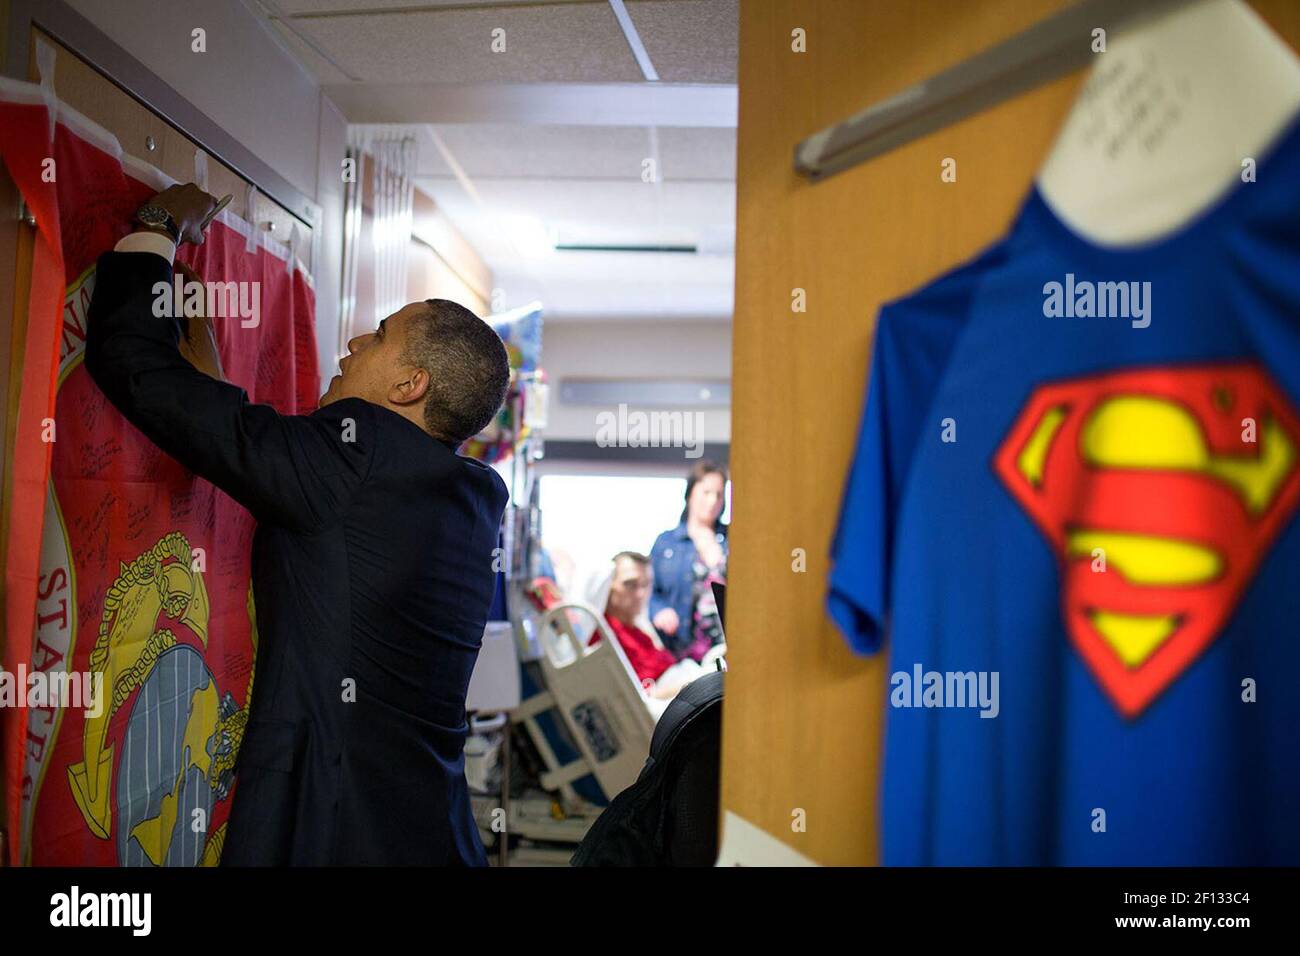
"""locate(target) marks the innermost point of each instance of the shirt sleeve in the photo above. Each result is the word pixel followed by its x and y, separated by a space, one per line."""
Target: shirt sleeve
pixel 860 549
pixel 915 338
pixel 296 471
pixel 147 242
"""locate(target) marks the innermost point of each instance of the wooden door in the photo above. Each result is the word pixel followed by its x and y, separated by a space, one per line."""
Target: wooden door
pixel 803 716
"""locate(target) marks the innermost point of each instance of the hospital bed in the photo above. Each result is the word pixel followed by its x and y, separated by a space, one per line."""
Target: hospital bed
pixel 597 695
pixel 592 692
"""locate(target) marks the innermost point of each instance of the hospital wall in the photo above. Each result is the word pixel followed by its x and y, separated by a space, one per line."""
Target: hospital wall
pixel 629 350
pixel 803 716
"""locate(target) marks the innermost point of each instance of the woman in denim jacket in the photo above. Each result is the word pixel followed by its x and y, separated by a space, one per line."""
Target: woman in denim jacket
pixel 687 559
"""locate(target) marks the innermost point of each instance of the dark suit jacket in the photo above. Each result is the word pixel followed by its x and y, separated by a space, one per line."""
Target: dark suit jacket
pixel 372 563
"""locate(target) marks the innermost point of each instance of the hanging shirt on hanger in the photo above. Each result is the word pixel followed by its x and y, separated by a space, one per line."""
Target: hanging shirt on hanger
pixel 1072 512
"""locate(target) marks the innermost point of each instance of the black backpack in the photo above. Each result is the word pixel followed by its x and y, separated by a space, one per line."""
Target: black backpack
pixel 669 816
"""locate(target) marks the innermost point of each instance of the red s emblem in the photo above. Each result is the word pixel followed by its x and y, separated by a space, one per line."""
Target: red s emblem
pixel 1160 491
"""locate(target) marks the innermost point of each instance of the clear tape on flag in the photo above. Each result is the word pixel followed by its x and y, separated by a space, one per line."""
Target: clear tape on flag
pixel 201 169
pixel 250 194
pixel 45 60
pixel 292 257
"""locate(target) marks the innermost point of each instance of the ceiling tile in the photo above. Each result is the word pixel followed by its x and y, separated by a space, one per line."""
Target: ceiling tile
pixel 609 284
pixel 544 43
pixel 559 152
pixel 322 69
pixel 622 212
pixel 689 41
pixel 502 150
pixel 309 7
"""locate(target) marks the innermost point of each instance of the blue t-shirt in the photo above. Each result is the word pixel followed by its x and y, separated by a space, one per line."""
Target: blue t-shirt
pixel 1072 509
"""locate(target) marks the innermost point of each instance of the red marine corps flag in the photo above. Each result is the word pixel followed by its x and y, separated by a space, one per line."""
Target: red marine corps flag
pixel 124 573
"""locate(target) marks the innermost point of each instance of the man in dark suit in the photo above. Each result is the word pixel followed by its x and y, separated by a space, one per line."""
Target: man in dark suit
pixel 372 561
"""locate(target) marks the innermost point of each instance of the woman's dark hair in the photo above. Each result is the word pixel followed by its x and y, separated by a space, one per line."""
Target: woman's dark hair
pixel 702 469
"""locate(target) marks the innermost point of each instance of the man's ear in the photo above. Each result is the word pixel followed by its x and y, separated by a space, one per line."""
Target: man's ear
pixel 410 389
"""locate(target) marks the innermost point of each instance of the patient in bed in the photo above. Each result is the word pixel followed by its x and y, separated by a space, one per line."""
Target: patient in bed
pixel 660 673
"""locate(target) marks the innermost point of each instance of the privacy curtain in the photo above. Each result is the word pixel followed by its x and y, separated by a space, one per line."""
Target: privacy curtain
pixel 377 236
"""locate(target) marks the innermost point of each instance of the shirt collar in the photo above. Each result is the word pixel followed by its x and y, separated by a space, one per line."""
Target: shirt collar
pixel 681 534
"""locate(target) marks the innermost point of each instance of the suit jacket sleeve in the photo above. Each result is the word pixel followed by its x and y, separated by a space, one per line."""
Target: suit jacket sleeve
pixel 293 470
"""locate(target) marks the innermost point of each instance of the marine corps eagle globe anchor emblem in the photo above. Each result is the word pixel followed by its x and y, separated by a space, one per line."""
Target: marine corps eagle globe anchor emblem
pixel 157 613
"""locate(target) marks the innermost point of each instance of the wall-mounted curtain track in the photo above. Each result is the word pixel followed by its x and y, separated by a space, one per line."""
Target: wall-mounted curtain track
pixel 1044 52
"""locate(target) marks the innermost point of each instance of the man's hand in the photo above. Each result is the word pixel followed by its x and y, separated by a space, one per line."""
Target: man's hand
pixel 198 343
pixel 189 207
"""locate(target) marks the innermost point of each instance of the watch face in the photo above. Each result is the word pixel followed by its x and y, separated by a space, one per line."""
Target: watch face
pixel 152 215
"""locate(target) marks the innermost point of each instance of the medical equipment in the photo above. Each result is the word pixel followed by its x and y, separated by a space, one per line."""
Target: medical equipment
pixel 600 701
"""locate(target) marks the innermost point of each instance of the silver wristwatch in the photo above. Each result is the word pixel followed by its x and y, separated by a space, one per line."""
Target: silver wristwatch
pixel 156 217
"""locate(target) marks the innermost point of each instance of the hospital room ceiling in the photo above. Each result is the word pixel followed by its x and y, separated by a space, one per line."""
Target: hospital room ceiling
pixel 548 144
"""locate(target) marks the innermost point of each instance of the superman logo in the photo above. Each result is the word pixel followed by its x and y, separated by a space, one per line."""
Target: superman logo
pixel 1160 492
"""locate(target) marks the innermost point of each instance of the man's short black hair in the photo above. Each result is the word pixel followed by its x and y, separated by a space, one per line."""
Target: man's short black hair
pixel 468 368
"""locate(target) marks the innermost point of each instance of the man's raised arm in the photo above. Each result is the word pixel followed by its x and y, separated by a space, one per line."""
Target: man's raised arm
pixel 295 471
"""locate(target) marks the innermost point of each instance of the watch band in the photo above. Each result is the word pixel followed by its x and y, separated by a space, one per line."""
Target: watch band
pixel 157 217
